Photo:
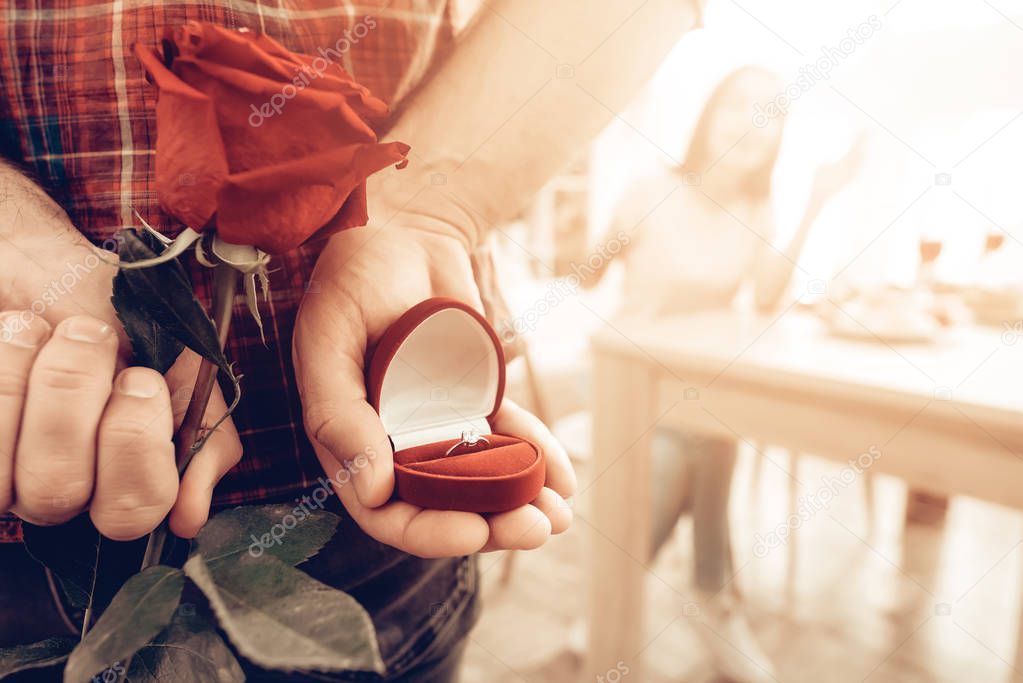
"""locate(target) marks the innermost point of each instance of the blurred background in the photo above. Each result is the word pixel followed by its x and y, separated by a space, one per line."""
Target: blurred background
pixel 774 314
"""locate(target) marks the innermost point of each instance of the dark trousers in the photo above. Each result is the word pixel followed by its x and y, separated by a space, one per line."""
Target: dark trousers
pixel 422 609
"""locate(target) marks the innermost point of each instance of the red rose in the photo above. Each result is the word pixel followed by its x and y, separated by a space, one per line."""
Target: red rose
pixel 268 146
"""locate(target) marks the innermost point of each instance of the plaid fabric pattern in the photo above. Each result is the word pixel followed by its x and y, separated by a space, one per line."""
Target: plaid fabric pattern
pixel 76 108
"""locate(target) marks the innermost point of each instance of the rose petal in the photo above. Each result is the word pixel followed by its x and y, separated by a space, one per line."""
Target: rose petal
pixel 277 208
pixel 191 162
pixel 353 213
pixel 242 125
pixel 234 48
pixel 261 55
pixel 323 73
pixel 261 127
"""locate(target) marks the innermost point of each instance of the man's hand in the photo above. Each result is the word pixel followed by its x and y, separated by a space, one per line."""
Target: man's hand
pixel 77 428
pixel 76 433
pixel 364 280
pixel 468 124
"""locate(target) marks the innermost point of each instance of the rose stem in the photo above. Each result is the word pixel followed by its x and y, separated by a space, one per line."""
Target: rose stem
pixel 225 284
pixel 87 617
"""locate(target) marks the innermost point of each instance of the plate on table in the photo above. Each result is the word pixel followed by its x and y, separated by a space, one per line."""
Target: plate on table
pixel 892 320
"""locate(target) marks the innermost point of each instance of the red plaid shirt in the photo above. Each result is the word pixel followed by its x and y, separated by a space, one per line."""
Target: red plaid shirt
pixel 75 107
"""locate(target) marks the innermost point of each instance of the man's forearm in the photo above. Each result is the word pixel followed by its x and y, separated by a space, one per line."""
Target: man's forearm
pixel 522 95
pixel 31 223
pixel 23 206
pixel 47 266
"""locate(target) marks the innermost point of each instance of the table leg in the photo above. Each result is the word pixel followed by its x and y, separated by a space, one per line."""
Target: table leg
pixel 792 562
pixel 1017 660
pixel 619 516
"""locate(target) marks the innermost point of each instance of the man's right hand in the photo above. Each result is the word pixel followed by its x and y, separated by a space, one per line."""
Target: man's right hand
pixel 78 429
pixel 69 428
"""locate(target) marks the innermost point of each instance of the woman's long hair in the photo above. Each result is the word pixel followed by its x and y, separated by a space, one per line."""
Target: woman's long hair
pixel 755 184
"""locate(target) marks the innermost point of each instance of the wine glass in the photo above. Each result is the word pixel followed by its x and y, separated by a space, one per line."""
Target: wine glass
pixel 993 241
pixel 930 249
pixel 987 264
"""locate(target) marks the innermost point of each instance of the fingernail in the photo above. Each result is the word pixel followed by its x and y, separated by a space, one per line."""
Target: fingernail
pixel 139 384
pixel 28 333
pixel 85 329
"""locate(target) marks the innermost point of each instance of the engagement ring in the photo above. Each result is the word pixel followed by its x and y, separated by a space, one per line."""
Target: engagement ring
pixel 469 438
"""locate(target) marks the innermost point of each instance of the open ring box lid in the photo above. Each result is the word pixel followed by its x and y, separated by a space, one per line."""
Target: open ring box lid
pixel 437 372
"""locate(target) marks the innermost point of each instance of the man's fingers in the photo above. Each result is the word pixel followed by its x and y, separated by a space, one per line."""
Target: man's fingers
pixel 354 436
pixel 70 382
pixel 523 528
pixel 329 344
pixel 530 526
pixel 181 380
pixel 556 509
pixel 514 421
pixel 21 336
pixel 424 533
pixel 136 480
pixel 221 452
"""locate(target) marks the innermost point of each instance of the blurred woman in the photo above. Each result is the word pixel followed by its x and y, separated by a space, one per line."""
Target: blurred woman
pixel 700 233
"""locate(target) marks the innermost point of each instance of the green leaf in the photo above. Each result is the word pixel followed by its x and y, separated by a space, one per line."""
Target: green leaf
pixel 290 533
pixel 188 650
pixel 151 348
pixel 280 618
pixel 140 610
pixel 162 297
pixel 170 301
pixel 71 552
pixel 89 568
pixel 35 656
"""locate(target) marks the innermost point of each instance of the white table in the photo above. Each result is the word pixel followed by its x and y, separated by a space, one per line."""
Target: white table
pixel 946 416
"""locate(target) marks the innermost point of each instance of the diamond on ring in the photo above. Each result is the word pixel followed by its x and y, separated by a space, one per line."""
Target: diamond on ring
pixel 469 438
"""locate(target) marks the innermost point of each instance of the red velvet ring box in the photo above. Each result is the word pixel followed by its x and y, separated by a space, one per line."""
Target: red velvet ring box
pixel 438 373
